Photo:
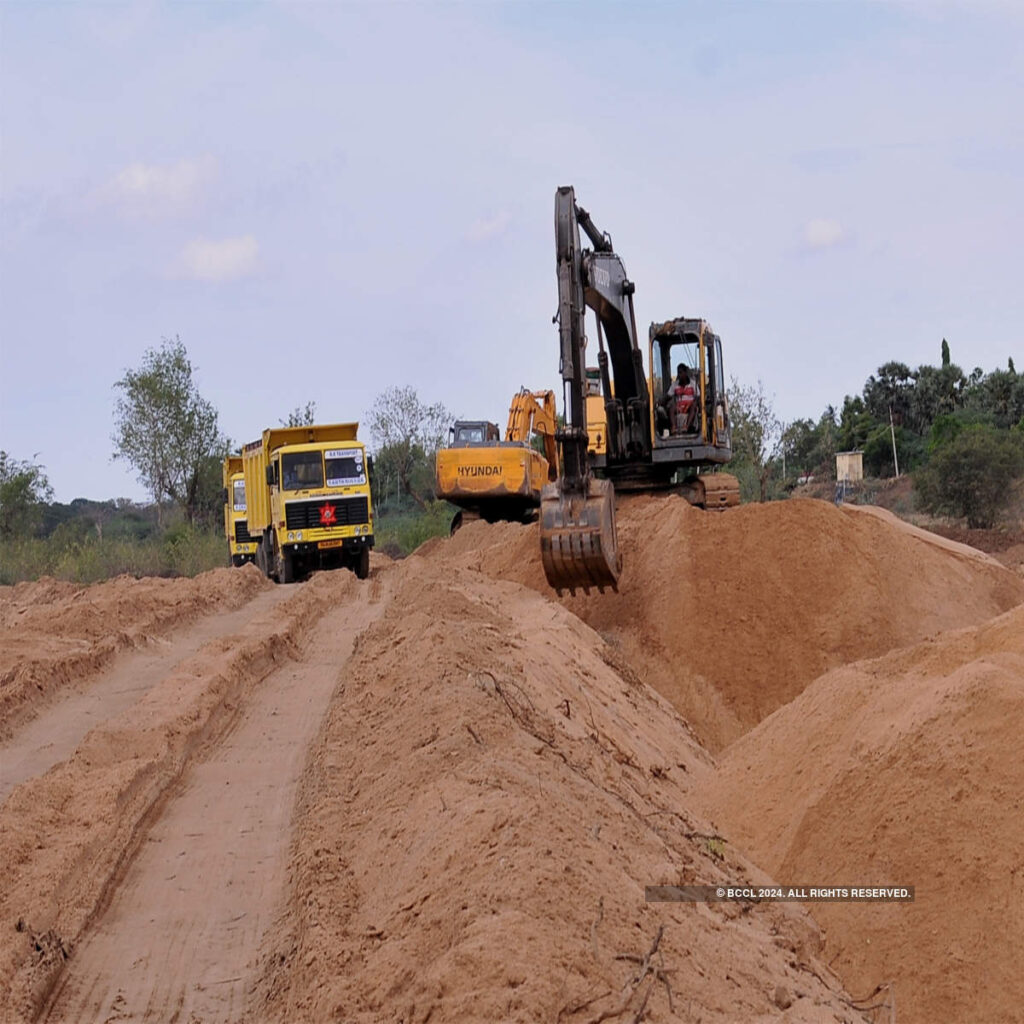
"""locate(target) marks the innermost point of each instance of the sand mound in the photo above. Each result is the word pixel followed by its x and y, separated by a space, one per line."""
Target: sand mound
pixel 906 770
pixel 730 615
pixel 487 801
pixel 53 634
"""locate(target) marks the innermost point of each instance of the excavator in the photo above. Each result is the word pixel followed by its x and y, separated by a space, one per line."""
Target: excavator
pixel 665 432
pixel 493 479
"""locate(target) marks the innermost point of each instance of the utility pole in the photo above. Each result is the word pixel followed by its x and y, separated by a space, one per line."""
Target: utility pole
pixel 892 434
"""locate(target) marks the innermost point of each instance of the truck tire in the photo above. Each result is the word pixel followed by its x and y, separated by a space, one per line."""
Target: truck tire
pixel 262 560
pixel 286 572
pixel 362 564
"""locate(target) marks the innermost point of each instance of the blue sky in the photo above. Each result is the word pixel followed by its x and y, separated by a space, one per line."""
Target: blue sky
pixel 323 200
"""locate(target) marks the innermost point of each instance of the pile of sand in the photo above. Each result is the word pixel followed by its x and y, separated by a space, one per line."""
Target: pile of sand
pixel 487 801
pixel 902 770
pixel 53 634
pixel 730 615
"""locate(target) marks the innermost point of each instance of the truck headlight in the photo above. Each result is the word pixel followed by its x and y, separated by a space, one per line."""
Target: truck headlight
pixel 291 536
pixel 298 536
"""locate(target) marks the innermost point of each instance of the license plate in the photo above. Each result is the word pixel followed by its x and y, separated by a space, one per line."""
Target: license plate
pixel 330 544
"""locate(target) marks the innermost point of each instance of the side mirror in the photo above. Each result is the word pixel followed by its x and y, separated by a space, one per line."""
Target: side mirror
pixel 270 475
pixel 369 468
pixel 224 496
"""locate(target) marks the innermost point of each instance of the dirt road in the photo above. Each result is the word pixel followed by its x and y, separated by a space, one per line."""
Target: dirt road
pixel 55 733
pixel 164 881
pixel 180 934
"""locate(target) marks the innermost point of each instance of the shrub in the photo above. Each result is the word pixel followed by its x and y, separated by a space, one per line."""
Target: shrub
pixel 972 475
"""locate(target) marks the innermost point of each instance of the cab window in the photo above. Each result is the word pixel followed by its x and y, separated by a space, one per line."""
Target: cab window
pixel 302 471
pixel 345 470
pixel 238 495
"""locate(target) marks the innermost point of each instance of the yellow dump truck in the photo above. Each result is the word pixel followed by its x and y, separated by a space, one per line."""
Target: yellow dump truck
pixel 241 547
pixel 490 478
pixel 309 505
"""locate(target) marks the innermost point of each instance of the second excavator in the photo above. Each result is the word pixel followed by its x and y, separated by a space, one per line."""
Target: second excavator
pixel 666 431
pixel 493 479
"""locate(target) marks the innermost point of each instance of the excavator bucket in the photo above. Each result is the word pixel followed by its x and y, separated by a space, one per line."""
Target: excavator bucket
pixel 578 543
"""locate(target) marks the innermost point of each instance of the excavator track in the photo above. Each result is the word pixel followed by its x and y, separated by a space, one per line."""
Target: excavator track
pixel 578 543
pixel 712 491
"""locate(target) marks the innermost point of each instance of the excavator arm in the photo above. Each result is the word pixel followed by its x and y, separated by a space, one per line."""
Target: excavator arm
pixel 533 412
pixel 579 547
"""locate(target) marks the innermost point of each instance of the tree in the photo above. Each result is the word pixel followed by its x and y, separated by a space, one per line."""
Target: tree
pixel 972 475
pixel 756 432
pixel 23 491
pixel 889 391
pixel 406 435
pixel 301 417
pixel 165 429
pixel 945 353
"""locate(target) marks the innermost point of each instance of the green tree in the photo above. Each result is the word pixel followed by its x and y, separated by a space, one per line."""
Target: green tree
pixel 301 416
pixel 972 475
pixel 24 490
pixel 165 429
pixel 756 433
pixel 889 391
pixel 406 434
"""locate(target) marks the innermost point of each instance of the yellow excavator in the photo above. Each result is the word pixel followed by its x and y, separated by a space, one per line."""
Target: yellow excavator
pixel 668 431
pixel 494 479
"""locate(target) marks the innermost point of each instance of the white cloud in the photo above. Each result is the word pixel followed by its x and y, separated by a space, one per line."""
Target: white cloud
pixel 154 190
pixel 823 234
pixel 489 227
pixel 227 259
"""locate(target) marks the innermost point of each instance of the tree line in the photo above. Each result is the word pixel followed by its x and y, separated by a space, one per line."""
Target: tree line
pixel 961 436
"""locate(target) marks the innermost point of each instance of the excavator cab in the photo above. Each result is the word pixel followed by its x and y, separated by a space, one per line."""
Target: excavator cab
pixel 467 432
pixel 693 344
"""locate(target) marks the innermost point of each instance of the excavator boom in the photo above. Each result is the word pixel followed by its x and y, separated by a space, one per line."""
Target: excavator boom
pixel 579 546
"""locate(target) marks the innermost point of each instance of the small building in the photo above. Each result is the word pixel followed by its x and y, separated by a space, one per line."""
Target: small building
pixel 849 466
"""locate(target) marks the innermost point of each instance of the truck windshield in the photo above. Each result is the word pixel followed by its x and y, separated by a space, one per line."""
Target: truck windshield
pixel 469 435
pixel 344 468
pixel 238 495
pixel 302 470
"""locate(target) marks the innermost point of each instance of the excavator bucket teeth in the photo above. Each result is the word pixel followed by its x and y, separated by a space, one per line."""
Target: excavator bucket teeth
pixel 578 543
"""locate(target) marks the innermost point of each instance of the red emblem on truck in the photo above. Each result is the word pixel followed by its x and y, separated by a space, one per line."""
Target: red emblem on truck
pixel 327 516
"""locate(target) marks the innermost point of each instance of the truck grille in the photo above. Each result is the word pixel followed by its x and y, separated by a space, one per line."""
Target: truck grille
pixel 242 535
pixel 306 515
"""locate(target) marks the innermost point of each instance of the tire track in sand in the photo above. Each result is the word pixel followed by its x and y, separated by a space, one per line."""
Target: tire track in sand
pixel 179 938
pixel 54 735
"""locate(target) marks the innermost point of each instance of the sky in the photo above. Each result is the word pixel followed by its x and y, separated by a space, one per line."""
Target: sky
pixel 323 200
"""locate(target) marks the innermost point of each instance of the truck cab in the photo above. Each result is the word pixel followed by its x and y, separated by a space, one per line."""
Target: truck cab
pixel 314 508
pixel 241 546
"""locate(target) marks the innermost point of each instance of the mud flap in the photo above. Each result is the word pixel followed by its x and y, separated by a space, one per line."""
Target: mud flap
pixel 578 543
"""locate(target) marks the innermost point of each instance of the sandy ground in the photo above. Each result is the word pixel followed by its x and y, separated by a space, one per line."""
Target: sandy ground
pixel 439 794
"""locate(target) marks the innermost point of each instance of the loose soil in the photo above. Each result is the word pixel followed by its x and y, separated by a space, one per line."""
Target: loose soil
pixel 441 792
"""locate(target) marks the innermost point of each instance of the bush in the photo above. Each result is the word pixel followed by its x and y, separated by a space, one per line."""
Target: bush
pixel 972 475
pixel 404 532
pixel 68 555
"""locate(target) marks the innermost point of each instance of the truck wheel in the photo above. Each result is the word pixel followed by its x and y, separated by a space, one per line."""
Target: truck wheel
pixel 262 560
pixel 286 573
pixel 362 564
